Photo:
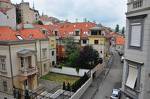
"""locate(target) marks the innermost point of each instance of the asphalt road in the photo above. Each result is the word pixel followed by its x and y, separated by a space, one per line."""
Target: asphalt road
pixel 113 80
pixel 101 88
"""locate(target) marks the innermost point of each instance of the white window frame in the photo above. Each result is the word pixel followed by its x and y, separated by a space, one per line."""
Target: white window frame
pixel 132 76
pixel 3 63
pixel 136 38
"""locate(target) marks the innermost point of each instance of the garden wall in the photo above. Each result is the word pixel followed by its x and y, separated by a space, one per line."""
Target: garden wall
pixel 69 71
pixel 83 88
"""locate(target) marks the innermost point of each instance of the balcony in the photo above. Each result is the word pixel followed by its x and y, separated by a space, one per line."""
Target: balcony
pixel 28 71
pixel 138 3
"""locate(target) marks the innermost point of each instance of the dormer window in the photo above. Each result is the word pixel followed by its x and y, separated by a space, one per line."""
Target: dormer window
pixel 77 33
pixel 56 33
pixel 30 36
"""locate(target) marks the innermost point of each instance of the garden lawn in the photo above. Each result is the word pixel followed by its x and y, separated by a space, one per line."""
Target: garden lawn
pixel 60 78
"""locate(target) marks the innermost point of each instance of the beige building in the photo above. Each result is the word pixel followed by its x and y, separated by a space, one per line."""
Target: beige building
pixel 136 71
pixel 18 67
pixel 98 41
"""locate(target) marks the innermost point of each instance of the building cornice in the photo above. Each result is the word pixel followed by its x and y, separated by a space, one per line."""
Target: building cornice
pixel 139 10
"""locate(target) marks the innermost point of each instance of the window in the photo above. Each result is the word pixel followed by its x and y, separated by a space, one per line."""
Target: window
pixel 2 63
pixel 22 61
pixel 53 63
pixel 52 53
pixel 135 33
pixel 95 41
pixel 84 41
pixel 132 77
pixel 25 82
pixel 93 32
pixel 45 67
pixel 44 51
pixel 5 85
pixel 56 33
pixel 77 33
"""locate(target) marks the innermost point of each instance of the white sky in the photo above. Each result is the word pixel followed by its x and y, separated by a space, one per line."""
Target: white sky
pixel 107 12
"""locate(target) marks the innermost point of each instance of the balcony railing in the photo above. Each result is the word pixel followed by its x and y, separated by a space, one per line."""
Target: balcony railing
pixel 28 71
pixel 138 3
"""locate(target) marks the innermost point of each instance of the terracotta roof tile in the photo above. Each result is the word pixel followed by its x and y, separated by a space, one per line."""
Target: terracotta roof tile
pixel 7 34
pixel 30 34
pixel 120 40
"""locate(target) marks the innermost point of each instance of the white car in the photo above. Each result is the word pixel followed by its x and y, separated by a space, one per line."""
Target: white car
pixel 115 94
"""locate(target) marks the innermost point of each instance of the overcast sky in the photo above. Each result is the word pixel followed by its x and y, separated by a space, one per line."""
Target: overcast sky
pixel 107 12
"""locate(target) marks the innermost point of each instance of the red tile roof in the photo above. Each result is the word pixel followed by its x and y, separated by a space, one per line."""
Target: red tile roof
pixel 67 29
pixel 30 34
pixel 8 1
pixel 120 40
pixel 7 34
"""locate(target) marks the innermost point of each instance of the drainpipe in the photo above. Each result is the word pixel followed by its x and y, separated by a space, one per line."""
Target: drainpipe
pixel 36 61
pixel 11 66
pixel 40 57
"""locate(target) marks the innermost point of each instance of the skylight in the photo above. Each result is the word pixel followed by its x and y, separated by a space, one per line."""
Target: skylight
pixel 19 37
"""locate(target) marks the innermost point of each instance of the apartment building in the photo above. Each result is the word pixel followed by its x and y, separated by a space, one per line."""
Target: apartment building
pixel 7 14
pixel 18 63
pixel 78 31
pixel 47 30
pixel 98 41
pixel 136 71
pixel 42 45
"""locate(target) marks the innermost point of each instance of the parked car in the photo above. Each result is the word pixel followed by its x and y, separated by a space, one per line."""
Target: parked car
pixel 116 93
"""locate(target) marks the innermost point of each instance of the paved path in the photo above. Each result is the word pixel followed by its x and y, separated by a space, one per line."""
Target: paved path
pixel 102 86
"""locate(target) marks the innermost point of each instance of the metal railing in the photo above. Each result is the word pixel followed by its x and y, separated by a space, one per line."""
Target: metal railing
pixel 28 71
pixel 138 3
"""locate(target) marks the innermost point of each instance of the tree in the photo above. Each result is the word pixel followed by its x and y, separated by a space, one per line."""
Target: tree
pixel 70 45
pixel 68 87
pixel 72 58
pixel 123 30
pixel 64 86
pixel 39 22
pixel 117 28
pixel 88 58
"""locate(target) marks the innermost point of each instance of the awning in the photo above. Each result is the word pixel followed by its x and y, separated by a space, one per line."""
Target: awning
pixel 26 52
pixel 132 76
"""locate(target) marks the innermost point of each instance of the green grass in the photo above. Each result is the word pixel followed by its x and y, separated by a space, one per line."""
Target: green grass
pixel 60 78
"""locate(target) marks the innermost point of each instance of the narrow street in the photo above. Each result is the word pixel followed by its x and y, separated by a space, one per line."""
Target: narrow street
pixel 112 80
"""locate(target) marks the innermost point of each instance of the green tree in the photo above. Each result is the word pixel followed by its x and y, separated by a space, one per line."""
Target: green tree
pixel 64 86
pixel 39 22
pixel 123 30
pixel 72 58
pixel 68 87
pixel 70 45
pixel 88 58
pixel 117 28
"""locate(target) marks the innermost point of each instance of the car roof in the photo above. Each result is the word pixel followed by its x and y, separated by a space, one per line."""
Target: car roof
pixel 115 91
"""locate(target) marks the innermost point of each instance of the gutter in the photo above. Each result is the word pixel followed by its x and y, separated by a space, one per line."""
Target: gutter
pixel 11 66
